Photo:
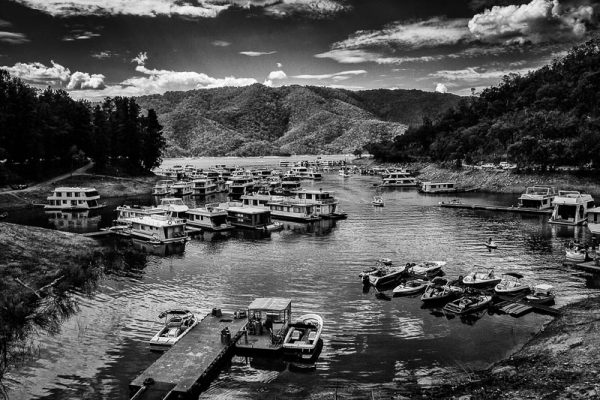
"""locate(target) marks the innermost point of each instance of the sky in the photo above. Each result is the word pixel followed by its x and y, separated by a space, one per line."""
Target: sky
pixel 99 48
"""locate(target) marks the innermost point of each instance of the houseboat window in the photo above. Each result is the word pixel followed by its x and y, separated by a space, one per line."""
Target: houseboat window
pixel 68 194
pixel 58 194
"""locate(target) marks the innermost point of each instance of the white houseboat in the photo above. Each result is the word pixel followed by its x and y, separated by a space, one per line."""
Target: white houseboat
pixel 570 208
pixel 326 205
pixel 289 184
pixel 293 210
pixel 209 217
pixel 181 188
pixel 251 218
pixel 73 198
pixel 203 187
pixel 538 197
pixel 438 187
pixel 174 206
pixel 399 179
pixel 314 174
pixel 156 229
pixel 162 187
pixel 240 185
pixel 593 220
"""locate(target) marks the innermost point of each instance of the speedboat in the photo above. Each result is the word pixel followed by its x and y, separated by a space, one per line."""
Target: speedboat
pixel 425 268
pixel 440 289
pixel 383 273
pixel 303 336
pixel 377 201
pixel 576 253
pixel 177 324
pixel 542 294
pixel 511 283
pixel 481 278
pixel 410 287
pixel 468 303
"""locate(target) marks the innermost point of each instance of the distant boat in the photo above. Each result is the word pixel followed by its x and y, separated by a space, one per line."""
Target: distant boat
pixel 491 245
pixel 378 201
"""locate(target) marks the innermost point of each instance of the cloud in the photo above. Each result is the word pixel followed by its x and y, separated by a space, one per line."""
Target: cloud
pixel 336 76
pixel 279 65
pixel 441 88
pixel 257 53
pixel 186 8
pixel 13 37
pixel 79 35
pixel 39 73
pixel 473 74
pixel 273 75
pixel 141 58
pixel 103 54
pixel 536 22
pixel 357 56
pixel 221 43
pixel 83 80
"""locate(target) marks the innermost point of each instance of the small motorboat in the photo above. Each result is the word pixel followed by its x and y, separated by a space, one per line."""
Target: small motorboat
pixel 511 283
pixel 440 289
pixel 481 278
pixel 491 244
pixel 377 201
pixel 425 268
pixel 303 336
pixel 176 325
pixel 410 287
pixel 468 303
pixel 541 294
pixel 382 273
pixel 576 252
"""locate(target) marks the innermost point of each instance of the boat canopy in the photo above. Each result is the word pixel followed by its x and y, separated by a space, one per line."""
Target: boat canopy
pixel 514 274
pixel 270 304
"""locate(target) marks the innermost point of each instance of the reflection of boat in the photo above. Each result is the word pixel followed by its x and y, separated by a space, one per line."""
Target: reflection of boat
pixel 537 197
pixel 73 198
pixel 177 324
pixel 542 294
pixel 440 289
pixel 158 249
pixel 303 335
pixel 511 283
pixel 377 201
pixel 73 221
pixel 382 273
pixel 570 207
pixel 410 287
pixel 468 304
pixel 481 278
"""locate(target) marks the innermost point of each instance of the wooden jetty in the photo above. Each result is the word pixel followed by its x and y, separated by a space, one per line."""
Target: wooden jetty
pixel 522 210
pixel 192 362
pixel 588 266
pixel 517 306
pixel 98 234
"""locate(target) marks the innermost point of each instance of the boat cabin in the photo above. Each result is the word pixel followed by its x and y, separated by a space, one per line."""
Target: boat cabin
pixel 325 202
pixel 73 198
pixel 268 322
pixel 203 187
pixel 593 220
pixel 285 209
pixel 209 217
pixel 538 197
pixel 249 217
pixel 125 213
pixel 157 228
pixel 570 208
pixel 162 187
pixel 174 206
pixel 441 187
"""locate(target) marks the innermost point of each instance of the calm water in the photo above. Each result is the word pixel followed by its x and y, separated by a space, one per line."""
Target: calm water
pixel 369 344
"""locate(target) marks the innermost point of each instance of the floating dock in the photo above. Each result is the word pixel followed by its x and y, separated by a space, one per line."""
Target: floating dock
pixel 191 363
pixel 521 210
pixel 516 306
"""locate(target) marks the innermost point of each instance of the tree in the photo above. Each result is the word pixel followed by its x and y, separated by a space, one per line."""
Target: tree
pixel 153 141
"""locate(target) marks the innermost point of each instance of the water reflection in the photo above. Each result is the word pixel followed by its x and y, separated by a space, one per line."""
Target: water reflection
pixel 163 249
pixel 74 221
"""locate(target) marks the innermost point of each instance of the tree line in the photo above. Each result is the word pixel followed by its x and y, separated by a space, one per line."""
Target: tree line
pixel 48 130
pixel 546 118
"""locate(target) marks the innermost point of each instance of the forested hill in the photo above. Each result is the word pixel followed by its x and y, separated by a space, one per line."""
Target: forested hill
pixel 261 120
pixel 548 117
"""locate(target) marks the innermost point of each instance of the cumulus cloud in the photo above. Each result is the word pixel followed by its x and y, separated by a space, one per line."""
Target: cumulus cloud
pixel 103 54
pixel 141 58
pixel 279 65
pixel 221 43
pixel 79 35
pixel 13 37
pixel 441 88
pixel 336 76
pixel 536 22
pixel 357 56
pixel 279 74
pixel 187 8
pixel 83 80
pixel 257 53
pixel 39 73
pixel 473 74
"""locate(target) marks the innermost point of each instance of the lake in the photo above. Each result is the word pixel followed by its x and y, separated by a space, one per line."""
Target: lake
pixel 370 344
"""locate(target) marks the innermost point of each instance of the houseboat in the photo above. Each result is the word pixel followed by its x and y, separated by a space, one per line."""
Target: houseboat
pixel 209 217
pixel 326 205
pixel 162 187
pixel 156 229
pixel 438 187
pixel 537 197
pixel 300 171
pixel 203 187
pixel 240 185
pixel 314 174
pixel 570 208
pixel 268 323
pixel 251 218
pixel 293 210
pixel 181 188
pixel 73 198
pixel 399 179
pixel 125 213
pixel 174 206
pixel 289 184
pixel 593 220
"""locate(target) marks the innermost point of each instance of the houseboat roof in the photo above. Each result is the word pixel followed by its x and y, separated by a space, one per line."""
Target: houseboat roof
pixel 73 189
pixel 270 304
pixel 439 183
pixel 312 191
pixel 248 210
pixel 207 211
pixel 158 221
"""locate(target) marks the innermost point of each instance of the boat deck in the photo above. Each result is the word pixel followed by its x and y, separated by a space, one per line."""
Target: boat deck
pixel 522 210
pixel 257 344
pixel 191 362
pixel 511 303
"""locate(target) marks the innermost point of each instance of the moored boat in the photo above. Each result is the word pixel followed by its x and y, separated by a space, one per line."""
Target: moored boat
pixel 154 228
pixel 570 208
pixel 162 187
pixel 411 286
pixel 468 303
pixel 537 197
pixel 73 198
pixel 481 278
pixel 425 268
pixel 377 201
pixel 303 336
pixel 541 293
pixel 576 252
pixel 174 206
pixel 176 325
pixel 440 289
pixel 511 283
pixel 267 326
pixel 382 273
pixel 181 188
pixel 593 220
pixel 438 187
pixel 209 217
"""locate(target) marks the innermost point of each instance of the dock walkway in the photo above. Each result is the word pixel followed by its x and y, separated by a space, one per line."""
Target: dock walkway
pixel 483 207
pixel 181 371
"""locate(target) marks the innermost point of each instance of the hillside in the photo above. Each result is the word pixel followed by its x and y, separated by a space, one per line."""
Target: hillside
pixel 548 117
pixel 260 120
